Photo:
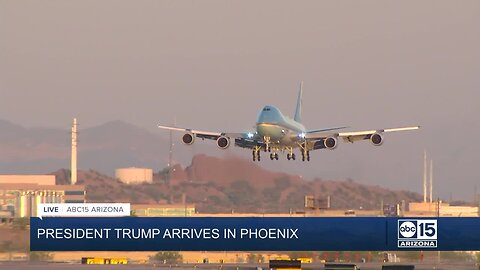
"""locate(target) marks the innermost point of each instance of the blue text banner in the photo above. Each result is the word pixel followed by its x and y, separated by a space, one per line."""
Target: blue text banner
pixel 253 234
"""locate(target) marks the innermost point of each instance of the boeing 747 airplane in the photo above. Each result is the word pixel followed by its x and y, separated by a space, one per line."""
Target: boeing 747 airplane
pixel 276 133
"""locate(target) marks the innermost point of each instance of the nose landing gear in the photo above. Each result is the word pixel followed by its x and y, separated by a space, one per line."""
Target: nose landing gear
pixel 273 156
pixel 291 156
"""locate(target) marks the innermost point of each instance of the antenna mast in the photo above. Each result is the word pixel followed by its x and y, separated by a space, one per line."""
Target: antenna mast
pixel 74 153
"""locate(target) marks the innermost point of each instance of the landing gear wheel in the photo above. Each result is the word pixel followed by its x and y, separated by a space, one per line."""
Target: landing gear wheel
pixel 271 156
pixel 288 156
pixel 256 154
pixel 276 156
pixel 293 156
pixel 308 156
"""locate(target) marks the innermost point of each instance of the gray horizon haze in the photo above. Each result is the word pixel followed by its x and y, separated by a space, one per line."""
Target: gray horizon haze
pixel 212 65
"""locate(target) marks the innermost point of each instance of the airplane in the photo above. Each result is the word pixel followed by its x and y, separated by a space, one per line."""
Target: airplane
pixel 277 133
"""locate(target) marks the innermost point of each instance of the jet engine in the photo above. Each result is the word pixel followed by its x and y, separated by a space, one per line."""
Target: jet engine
pixel 376 139
pixel 330 142
pixel 223 142
pixel 188 138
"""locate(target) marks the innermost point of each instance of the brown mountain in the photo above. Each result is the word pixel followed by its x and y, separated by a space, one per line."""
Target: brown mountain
pixel 222 185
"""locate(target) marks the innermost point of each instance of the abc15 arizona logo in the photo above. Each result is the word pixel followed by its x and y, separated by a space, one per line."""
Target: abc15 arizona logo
pixel 417 233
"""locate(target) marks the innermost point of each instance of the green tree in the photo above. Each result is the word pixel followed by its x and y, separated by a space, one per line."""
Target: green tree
pixel 167 257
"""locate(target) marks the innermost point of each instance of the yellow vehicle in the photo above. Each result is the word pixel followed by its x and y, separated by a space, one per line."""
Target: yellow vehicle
pixel 305 260
pixel 282 257
pixel 93 260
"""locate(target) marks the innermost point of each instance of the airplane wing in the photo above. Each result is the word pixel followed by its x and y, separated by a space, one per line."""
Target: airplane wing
pixel 323 130
pixel 363 135
pixel 209 134
pixel 198 133
pixel 353 136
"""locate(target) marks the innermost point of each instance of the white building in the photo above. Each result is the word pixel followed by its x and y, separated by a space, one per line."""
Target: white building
pixel 134 175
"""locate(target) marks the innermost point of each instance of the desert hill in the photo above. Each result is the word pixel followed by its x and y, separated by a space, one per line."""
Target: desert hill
pixel 235 184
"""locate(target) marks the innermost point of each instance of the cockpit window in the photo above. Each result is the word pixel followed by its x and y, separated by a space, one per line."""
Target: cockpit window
pixel 266 109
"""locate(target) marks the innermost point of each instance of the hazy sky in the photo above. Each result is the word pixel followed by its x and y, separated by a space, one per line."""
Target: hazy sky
pixel 214 64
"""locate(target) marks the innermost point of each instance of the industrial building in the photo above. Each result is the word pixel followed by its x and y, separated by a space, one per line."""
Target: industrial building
pixel 134 175
pixel 20 194
pixel 441 209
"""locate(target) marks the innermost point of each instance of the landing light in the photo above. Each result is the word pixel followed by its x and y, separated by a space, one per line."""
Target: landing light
pixel 301 135
pixel 250 135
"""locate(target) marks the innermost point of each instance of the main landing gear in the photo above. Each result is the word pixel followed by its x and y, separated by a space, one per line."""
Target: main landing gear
pixel 306 154
pixel 274 153
pixel 255 156
pixel 256 153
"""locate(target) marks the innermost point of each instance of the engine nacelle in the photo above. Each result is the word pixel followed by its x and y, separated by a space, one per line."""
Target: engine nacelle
pixel 223 142
pixel 376 139
pixel 188 138
pixel 330 143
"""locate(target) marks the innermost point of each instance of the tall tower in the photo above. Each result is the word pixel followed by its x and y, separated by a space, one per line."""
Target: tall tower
pixel 74 153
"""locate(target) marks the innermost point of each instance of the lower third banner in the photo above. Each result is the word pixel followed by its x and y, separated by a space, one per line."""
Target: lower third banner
pixel 253 234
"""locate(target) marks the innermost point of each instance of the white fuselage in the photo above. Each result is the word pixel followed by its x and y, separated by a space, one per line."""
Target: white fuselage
pixel 275 128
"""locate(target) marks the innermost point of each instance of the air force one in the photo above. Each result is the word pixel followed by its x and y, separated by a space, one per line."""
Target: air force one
pixel 276 133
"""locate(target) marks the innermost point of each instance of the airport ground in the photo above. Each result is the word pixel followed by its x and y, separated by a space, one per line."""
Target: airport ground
pixel 76 266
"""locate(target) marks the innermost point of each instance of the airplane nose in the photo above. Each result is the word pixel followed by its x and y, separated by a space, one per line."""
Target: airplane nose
pixel 272 131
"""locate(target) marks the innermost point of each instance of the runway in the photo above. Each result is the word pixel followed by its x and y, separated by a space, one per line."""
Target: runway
pixel 75 266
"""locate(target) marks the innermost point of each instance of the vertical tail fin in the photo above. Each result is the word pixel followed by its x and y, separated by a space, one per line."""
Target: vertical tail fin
pixel 298 110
